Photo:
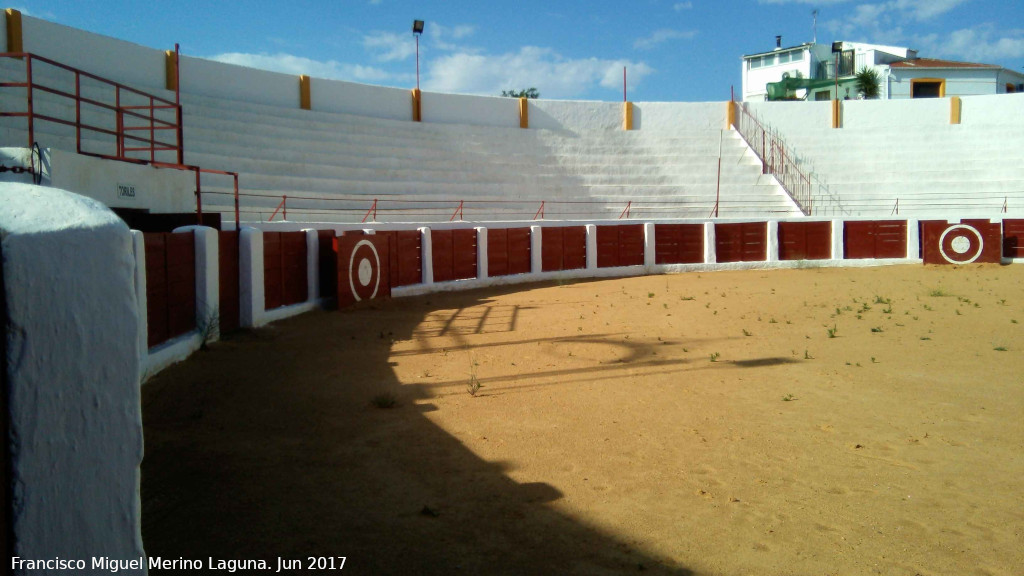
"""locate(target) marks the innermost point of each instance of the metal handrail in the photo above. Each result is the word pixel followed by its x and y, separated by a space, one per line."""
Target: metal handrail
pixel 772 150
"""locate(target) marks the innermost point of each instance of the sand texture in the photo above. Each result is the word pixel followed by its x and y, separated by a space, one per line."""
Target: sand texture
pixel 818 422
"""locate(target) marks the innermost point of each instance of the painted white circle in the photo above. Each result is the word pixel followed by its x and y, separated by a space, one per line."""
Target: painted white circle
pixel 365 271
pixel 961 243
pixel 352 272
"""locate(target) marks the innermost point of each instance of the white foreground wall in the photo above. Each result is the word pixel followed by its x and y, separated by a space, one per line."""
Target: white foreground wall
pixel 73 377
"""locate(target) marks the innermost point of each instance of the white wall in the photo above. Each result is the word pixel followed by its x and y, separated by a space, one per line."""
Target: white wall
pixel 793 116
pixel 1001 109
pixel 159 190
pixel 575 116
pixel 959 82
pixel 477 110
pixel 73 376
pixel 124 62
pixel 674 116
pixel 361 99
pixel 235 82
pixel 890 113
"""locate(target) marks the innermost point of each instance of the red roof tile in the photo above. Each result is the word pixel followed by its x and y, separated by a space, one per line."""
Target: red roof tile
pixel 934 63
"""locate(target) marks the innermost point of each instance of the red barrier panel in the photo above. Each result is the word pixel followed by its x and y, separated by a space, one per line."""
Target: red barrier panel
pixel 741 242
pixel 284 269
pixel 620 245
pixel 964 243
pixel 327 262
pixel 362 264
pixel 563 248
pixel 454 254
pixel 1013 238
pixel 881 239
pixel 508 251
pixel 170 285
pixel 805 240
pixel 678 243
pixel 227 244
pixel 405 253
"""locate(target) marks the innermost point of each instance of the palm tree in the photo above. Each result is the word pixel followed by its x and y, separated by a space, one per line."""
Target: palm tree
pixel 868 83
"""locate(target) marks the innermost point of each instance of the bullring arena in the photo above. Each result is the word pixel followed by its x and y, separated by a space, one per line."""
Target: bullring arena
pixel 435 333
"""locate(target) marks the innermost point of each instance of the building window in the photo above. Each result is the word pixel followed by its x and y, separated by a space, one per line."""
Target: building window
pixel 796 56
pixel 755 63
pixel 927 88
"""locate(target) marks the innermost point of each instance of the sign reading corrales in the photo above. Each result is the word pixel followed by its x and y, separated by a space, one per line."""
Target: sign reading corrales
pixel 126 191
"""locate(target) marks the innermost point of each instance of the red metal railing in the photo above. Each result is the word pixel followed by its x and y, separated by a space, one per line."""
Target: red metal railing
pixel 136 121
pixel 771 149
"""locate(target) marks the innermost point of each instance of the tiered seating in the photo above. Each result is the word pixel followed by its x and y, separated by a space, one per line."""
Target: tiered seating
pixel 969 171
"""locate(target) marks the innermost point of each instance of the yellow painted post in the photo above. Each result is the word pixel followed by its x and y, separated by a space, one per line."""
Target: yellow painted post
pixel 305 93
pixel 837 114
pixel 955 105
pixel 730 115
pixel 627 115
pixel 417 110
pixel 15 42
pixel 170 70
pixel 524 113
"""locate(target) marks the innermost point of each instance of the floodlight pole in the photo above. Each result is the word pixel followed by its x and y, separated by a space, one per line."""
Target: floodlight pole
pixel 417 29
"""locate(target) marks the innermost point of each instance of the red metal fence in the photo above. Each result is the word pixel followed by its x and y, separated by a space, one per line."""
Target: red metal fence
pixel 170 285
pixel 775 160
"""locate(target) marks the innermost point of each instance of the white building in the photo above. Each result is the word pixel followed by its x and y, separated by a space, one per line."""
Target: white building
pixel 808 72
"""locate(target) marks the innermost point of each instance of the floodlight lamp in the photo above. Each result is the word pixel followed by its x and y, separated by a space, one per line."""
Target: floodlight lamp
pixel 417 26
pixel 837 47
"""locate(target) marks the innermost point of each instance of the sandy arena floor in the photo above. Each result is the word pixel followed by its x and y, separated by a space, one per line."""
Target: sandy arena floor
pixel 818 422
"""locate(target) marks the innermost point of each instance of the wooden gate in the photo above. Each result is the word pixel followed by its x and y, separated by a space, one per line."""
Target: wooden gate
pixel 170 285
pixel 563 248
pixel 741 242
pixel 454 254
pixel 1013 238
pixel 284 269
pixel 963 243
pixel 405 253
pixel 620 245
pixel 805 240
pixel 678 243
pixel 508 251
pixel 875 239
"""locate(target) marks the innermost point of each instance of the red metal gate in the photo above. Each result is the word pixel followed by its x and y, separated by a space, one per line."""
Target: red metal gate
pixel 563 248
pixel 678 243
pixel 170 285
pixel 620 245
pixel 454 254
pixel 805 240
pixel 284 269
pixel 229 285
pixel 741 242
pixel 963 243
pixel 508 251
pixel 881 239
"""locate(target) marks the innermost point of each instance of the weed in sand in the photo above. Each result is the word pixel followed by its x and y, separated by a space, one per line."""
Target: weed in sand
pixel 832 331
pixel 715 356
pixel 789 398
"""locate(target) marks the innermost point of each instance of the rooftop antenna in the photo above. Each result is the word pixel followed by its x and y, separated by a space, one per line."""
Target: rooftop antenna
pixel 814 15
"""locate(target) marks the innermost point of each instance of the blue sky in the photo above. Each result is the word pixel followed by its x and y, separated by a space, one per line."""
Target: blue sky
pixel 674 50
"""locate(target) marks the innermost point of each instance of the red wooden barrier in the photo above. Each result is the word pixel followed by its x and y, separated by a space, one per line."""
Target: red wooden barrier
pixel 454 254
pixel 881 239
pixel 405 253
pixel 327 260
pixel 508 251
pixel 678 243
pixel 805 240
pixel 284 269
pixel 1013 238
pixel 620 245
pixel 362 265
pixel 170 285
pixel 963 243
pixel 229 295
pixel 563 248
pixel 741 242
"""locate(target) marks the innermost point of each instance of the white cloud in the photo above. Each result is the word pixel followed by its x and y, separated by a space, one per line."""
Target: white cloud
pixel 663 35
pixel 291 64
pixel 390 46
pixel 925 9
pixel 552 74
pixel 441 35
pixel 810 2
pixel 680 6
pixel 980 44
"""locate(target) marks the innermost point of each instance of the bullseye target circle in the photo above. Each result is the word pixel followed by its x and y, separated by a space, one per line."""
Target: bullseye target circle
pixel 364 271
pixel 961 244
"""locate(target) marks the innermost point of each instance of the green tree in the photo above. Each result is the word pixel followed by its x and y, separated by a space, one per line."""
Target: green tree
pixel 527 93
pixel 868 83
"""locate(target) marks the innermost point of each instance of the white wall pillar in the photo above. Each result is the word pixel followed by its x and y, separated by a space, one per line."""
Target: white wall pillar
pixel 141 300
pixel 773 240
pixel 913 239
pixel 650 244
pixel 710 253
pixel 591 246
pixel 536 262
pixel 481 253
pixel 312 265
pixel 252 298
pixel 837 240
pixel 427 255
pixel 207 263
